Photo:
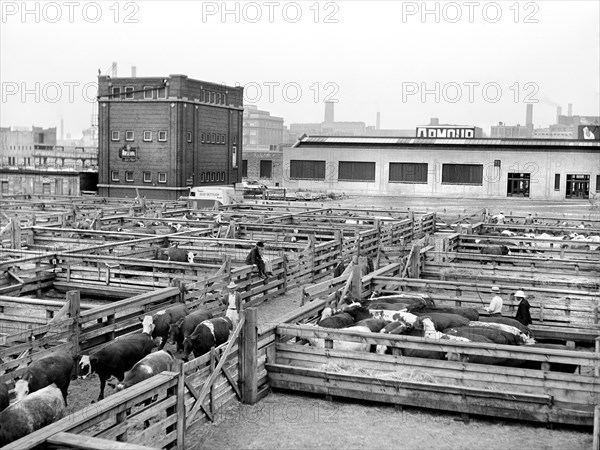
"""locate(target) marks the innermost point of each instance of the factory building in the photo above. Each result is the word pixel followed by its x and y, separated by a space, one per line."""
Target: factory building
pixel 159 136
pixel 467 168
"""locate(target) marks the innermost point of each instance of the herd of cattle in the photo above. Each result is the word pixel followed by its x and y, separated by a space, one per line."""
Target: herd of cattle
pixel 416 315
pixel 41 392
pixel 536 243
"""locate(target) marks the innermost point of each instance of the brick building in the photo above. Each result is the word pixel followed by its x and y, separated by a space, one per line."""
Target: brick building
pixel 165 135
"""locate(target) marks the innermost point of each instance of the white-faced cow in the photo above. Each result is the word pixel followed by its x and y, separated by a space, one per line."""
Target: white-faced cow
pixel 147 367
pixel 119 356
pixel 54 368
pixel 163 319
pixel 175 254
pixel 35 411
pixel 207 334
pixel 185 326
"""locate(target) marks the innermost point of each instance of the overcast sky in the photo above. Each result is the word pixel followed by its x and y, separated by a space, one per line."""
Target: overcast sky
pixel 482 60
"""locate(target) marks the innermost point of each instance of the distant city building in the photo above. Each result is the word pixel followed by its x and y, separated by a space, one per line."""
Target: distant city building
pixel 162 135
pixel 502 131
pixel 261 128
pixel 34 162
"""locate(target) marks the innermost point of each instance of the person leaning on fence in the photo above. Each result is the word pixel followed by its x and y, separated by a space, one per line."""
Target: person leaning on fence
pixel 255 258
pixel 523 310
pixel 495 308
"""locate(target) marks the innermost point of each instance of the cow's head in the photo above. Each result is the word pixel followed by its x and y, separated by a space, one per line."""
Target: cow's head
pixel 174 329
pixel 147 325
pixel 86 366
pixel 453 356
pixel 21 389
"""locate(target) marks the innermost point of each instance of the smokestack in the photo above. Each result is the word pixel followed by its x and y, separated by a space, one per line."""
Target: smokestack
pixel 529 115
pixel 62 129
pixel 434 121
pixel 378 121
pixel 329 113
pixel 570 110
pixel 133 71
pixel 558 113
pixel 113 70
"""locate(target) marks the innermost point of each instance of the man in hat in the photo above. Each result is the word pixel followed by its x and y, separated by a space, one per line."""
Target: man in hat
pixel 234 304
pixel 495 308
pixel 523 314
pixel 500 217
pixel 255 258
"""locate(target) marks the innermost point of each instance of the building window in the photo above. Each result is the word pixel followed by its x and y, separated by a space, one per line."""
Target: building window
pixel 129 177
pixel 557 181
pixel 147 177
pixel 234 163
pixel 114 175
pixel 219 99
pixel 116 91
pixel 213 137
pixel 5 187
pixel 266 168
pixel 148 92
pixel 202 138
pixel 202 177
pixel 46 188
pixel 408 173
pixel 218 138
pixel 147 136
pixel 224 99
pixel 212 97
pixel 597 183
pixel 161 92
pixel 313 170
pixel 518 185
pixel 115 136
pixel 162 136
pixel 462 174
pixel 162 177
pixel 234 140
pixel 496 163
pixel 244 167
pixel 578 186
pixel 222 176
pixel 356 171
pixel 189 136
pixel 202 95
pixel 129 92
pixel 223 139
pixel 129 136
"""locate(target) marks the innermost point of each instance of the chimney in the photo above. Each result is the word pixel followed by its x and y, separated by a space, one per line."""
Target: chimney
pixel 529 115
pixel 62 129
pixel 113 70
pixel 378 121
pixel 133 71
pixel 434 121
pixel 329 113
pixel 558 114
pixel 570 110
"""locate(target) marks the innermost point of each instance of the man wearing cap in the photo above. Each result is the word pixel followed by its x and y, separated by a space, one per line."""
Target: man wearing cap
pixel 500 217
pixel 234 304
pixel 523 314
pixel 495 308
pixel 255 258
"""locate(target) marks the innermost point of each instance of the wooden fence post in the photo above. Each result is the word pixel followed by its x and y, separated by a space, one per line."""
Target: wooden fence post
pixel 355 287
pixel 248 358
pixel 181 407
pixel 415 261
pixel 73 298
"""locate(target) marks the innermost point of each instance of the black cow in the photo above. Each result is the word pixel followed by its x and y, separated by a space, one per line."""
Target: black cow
pixel 147 367
pixel 54 368
pixel 495 250
pixel 339 269
pixel 357 311
pixel 469 313
pixel 493 334
pixel 118 357
pixel 163 319
pixel 185 326
pixel 208 334
pixel 35 411
pixel 340 320
pixel 3 396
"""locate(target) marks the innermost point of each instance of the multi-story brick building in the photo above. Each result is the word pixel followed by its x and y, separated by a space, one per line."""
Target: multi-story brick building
pixel 164 135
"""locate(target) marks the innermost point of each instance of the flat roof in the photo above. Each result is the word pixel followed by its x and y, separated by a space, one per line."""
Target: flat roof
pixel 375 141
